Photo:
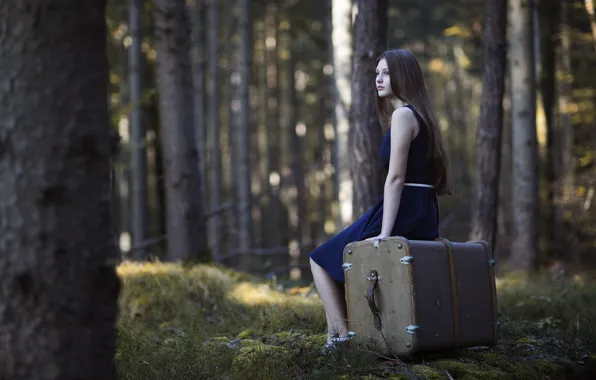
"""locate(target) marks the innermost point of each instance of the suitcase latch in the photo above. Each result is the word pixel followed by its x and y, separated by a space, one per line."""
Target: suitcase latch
pixel 346 267
pixel 412 329
pixel 406 259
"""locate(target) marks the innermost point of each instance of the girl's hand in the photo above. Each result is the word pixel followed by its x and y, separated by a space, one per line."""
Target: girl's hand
pixel 379 237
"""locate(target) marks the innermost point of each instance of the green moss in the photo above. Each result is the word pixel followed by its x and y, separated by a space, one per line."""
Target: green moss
pixel 427 372
pixel 261 360
pixel 525 340
pixel 470 371
pixel 248 333
pixel 178 322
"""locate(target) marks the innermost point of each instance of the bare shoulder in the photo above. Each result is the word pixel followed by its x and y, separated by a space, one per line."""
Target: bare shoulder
pixel 404 120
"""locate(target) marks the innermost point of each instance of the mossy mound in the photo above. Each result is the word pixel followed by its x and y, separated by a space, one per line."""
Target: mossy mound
pixel 208 322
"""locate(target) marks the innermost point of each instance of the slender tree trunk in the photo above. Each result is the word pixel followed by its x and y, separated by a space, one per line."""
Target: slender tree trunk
pixel 549 16
pixel 241 133
pixel 564 134
pixel 138 137
pixel 215 166
pixel 490 124
pixel 58 285
pixel 185 222
pixel 525 148
pixel 589 4
pixel 370 39
pixel 341 58
pixel 197 12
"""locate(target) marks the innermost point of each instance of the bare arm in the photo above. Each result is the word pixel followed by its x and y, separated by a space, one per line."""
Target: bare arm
pixel 403 130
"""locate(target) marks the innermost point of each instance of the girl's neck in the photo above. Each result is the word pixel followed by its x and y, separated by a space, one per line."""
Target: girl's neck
pixel 396 103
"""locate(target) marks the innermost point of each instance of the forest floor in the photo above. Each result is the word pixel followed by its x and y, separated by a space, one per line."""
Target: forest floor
pixel 208 322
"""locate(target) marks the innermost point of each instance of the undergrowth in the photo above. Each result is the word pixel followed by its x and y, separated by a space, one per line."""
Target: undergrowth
pixel 208 322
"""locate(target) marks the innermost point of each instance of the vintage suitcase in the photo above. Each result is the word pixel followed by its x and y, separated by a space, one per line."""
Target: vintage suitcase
pixel 407 297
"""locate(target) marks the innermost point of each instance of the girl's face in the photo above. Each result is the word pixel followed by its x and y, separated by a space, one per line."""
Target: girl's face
pixel 382 81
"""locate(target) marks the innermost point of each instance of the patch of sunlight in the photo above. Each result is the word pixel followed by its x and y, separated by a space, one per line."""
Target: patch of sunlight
pixel 458 31
pixel 329 227
pixel 329 131
pixel 123 129
pixel 255 294
pixel 124 241
pixel 437 65
pixel 114 78
pixel 274 179
pixel 127 41
pixel 152 54
pixel 270 42
pixel 541 125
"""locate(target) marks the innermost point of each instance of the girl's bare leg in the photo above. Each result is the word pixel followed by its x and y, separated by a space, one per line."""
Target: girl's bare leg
pixel 332 295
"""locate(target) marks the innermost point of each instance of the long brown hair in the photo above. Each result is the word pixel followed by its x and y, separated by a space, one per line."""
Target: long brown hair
pixel 407 84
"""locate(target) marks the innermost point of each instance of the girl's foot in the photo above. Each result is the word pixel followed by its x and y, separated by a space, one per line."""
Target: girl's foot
pixel 337 342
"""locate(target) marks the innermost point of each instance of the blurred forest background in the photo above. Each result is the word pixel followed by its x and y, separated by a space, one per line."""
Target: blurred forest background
pixel 273 94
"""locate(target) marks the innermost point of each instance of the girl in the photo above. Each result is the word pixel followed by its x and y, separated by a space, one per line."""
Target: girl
pixel 417 171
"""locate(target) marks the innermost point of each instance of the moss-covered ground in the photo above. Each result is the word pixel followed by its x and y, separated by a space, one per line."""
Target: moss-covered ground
pixel 208 322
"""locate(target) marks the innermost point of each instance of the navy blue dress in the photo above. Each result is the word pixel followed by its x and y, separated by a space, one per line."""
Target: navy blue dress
pixel 417 217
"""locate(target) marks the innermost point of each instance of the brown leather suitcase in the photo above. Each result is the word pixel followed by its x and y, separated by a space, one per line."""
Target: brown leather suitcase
pixel 407 297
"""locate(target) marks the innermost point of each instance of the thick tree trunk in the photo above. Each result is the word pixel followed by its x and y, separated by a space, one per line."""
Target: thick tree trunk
pixel 341 60
pixel 490 124
pixel 524 142
pixel 58 286
pixel 185 222
pixel 370 39
pixel 138 159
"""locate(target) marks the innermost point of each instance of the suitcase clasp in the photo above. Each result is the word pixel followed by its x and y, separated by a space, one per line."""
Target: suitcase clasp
pixel 346 267
pixel 406 259
pixel 412 329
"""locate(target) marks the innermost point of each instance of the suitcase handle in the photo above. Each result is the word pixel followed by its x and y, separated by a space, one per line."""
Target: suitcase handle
pixel 373 282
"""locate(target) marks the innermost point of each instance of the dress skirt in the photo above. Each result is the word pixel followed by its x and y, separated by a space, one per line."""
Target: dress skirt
pixel 417 219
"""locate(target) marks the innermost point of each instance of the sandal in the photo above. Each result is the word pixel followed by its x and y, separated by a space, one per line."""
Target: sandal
pixel 337 342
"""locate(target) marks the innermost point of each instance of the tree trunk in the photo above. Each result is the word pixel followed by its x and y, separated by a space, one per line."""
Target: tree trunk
pixel 215 167
pixel 241 133
pixel 58 286
pixel 524 142
pixel 185 222
pixel 370 40
pixel 564 136
pixel 138 159
pixel 490 123
pixel 341 60
pixel 549 17
pixel 197 11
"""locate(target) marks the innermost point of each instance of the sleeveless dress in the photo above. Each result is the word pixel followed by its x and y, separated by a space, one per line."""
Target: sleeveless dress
pixel 417 217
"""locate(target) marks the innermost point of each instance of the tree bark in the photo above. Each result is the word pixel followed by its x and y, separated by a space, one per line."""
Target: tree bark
pixel 524 142
pixel 370 40
pixel 241 128
pixel 185 222
pixel 58 285
pixel 490 124
pixel 341 59
pixel 215 166
pixel 138 159
pixel 197 11
pixel 549 17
